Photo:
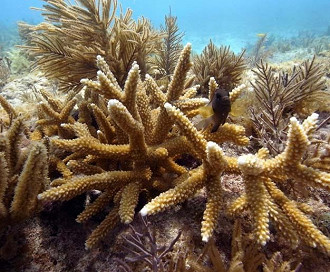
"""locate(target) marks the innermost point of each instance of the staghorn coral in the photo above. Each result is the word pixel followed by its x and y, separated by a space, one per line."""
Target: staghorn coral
pixel 220 63
pixel 134 145
pixel 66 46
pixel 262 196
pixel 266 200
pixel 134 135
pixel 320 155
pixel 24 174
pixel 208 175
pixel 52 113
pixel 126 126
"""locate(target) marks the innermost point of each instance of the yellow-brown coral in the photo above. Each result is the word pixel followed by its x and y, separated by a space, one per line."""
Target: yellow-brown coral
pixel 262 197
pixel 144 150
pixel 23 175
pixel 136 141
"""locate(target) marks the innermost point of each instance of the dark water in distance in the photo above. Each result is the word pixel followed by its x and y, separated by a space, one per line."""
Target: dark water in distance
pixel 232 22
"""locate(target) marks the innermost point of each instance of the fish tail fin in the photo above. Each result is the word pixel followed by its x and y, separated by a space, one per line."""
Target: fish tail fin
pixel 205 111
pixel 203 124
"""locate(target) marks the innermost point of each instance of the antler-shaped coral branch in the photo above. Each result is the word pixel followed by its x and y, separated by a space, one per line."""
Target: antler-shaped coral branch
pixel 265 200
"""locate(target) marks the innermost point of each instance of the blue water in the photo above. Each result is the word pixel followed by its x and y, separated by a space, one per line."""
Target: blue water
pixel 229 22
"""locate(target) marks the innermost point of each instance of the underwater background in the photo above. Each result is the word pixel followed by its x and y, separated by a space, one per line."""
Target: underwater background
pixel 233 23
pixel 201 128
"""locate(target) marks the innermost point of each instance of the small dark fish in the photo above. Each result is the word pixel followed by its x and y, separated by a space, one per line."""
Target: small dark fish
pixel 220 104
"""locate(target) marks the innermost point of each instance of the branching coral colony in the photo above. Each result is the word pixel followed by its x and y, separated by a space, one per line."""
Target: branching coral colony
pixel 23 172
pixel 136 142
pixel 124 134
pixel 135 146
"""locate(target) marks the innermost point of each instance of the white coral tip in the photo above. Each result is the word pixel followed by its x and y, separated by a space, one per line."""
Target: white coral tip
pixel 241 160
pixel 263 243
pixel 69 163
pixel 168 106
pixel 211 145
pixel 314 116
pixel 205 238
pixel 112 103
pixel 293 120
pixel 127 221
pixel 39 197
pixel 135 66
pixel 144 211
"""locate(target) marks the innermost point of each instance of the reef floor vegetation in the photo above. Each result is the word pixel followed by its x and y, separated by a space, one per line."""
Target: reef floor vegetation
pixel 122 149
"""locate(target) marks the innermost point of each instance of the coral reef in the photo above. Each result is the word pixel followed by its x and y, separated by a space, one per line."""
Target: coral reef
pixel 122 139
pixel 263 198
pixel 147 146
pixel 136 139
